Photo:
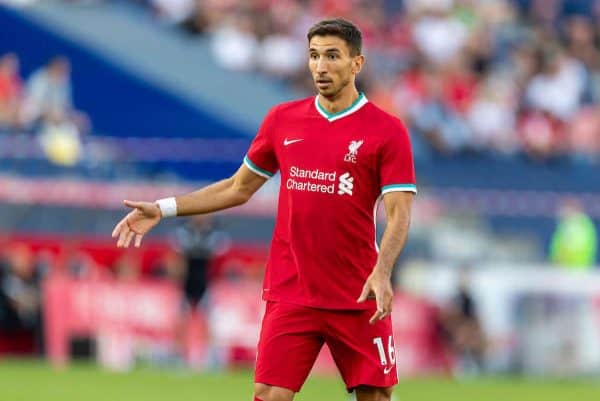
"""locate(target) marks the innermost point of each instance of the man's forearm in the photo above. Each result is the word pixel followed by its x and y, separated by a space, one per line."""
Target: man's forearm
pixel 393 241
pixel 218 196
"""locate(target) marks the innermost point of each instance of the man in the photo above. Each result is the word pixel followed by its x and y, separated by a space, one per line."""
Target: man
pixel 325 282
pixel 48 91
pixel 574 242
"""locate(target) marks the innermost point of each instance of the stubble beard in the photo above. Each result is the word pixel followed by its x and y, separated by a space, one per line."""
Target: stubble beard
pixel 334 91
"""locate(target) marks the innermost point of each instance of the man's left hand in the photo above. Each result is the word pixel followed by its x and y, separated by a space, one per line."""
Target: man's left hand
pixel 378 286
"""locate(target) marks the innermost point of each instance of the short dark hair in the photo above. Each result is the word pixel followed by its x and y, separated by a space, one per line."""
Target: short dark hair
pixel 341 28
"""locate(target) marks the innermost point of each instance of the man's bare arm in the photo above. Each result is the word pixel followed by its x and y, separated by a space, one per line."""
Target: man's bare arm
pixel 378 285
pixel 233 191
pixel 397 208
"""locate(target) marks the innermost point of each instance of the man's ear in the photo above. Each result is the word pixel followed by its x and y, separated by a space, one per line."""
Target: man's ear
pixel 358 63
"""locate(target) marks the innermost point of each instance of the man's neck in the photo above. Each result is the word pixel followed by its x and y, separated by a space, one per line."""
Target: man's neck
pixel 342 101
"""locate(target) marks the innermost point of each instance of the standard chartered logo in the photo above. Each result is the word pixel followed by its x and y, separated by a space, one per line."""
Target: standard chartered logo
pixel 346 184
pixel 319 181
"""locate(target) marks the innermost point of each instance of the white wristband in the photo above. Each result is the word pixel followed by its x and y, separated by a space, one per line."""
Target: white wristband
pixel 167 206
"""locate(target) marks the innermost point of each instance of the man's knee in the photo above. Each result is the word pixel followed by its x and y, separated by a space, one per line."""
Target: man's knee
pixel 369 393
pixel 264 392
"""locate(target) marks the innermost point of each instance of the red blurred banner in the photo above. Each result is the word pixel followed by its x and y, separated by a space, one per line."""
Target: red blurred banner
pixel 120 314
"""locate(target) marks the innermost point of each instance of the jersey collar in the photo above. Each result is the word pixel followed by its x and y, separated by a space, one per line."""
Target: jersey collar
pixel 358 103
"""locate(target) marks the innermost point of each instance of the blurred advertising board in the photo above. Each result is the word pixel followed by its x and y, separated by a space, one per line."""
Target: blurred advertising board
pixel 537 319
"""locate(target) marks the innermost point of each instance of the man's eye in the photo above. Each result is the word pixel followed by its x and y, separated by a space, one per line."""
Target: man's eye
pixel 332 56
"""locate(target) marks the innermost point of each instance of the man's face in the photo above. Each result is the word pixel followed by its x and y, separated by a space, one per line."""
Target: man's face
pixel 331 65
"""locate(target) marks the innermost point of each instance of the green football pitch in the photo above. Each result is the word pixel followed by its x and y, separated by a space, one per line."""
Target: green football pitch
pixel 35 381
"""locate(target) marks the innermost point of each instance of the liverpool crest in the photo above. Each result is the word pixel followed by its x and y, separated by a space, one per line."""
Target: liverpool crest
pixel 353 151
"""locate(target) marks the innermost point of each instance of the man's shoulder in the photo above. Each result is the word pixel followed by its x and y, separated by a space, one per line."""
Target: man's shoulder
pixel 381 117
pixel 298 105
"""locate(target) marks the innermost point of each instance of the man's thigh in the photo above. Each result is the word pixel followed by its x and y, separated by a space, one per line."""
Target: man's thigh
pixel 365 354
pixel 290 341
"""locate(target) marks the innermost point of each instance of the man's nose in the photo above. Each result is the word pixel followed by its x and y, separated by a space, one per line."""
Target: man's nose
pixel 321 65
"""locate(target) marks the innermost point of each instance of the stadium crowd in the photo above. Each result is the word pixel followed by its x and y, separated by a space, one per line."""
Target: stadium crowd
pixel 506 77
pixel 501 77
pixel 42 105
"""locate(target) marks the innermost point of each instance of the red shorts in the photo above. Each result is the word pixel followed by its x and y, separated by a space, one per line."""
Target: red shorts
pixel 292 336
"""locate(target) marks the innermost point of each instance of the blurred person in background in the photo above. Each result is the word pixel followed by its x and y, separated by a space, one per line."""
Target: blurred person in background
pixel 48 96
pixel 574 243
pixel 461 324
pixel 20 292
pixel 199 241
pixel 9 319
pixel 48 90
pixel 436 120
pixel 10 91
pixel 325 282
pixel 583 135
pixel 21 287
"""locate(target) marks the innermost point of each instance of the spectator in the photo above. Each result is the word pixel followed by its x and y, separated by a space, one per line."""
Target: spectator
pixel 235 45
pixel 584 135
pixel 10 91
pixel 9 319
pixel 541 135
pixel 48 90
pixel 438 122
pixel 281 55
pixel 559 87
pixel 439 36
pixel 461 323
pixel 492 117
pixel 48 94
pixel 575 241
pixel 20 290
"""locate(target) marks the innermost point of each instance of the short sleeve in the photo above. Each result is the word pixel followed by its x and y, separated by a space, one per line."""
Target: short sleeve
pixel 261 158
pixel 396 166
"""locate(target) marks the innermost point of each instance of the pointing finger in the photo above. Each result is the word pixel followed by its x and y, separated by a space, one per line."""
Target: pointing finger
pixel 133 204
pixel 138 240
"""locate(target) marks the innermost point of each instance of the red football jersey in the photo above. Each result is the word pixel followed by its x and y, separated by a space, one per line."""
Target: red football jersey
pixel 334 169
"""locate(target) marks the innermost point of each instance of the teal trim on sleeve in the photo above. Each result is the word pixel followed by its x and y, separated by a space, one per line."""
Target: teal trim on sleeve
pixel 399 187
pixel 257 169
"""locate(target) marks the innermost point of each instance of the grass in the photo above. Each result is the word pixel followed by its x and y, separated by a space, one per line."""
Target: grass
pixel 34 380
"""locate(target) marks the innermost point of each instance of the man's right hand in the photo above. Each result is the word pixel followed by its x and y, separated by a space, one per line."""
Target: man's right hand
pixel 137 223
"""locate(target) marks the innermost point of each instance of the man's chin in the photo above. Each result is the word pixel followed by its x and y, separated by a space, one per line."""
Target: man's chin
pixel 326 92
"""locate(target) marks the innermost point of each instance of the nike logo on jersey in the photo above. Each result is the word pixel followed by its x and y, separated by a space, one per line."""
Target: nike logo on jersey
pixel 287 142
pixel 387 370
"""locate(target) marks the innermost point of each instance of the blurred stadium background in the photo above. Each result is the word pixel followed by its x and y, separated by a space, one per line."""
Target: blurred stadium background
pixel 498 296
